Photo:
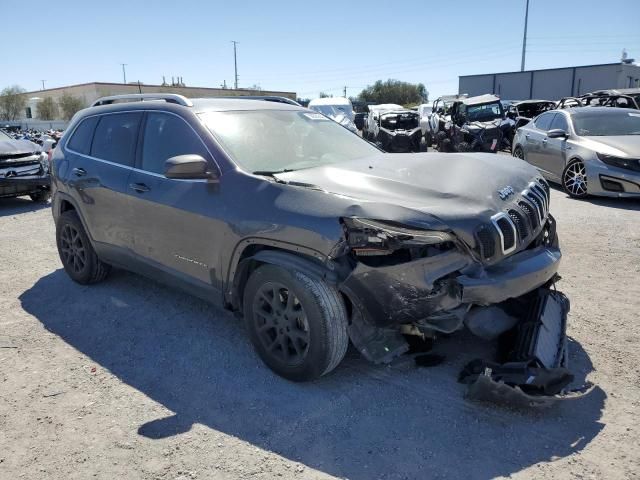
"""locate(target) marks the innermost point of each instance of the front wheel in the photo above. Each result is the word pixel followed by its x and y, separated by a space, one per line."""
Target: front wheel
pixel 574 179
pixel 297 324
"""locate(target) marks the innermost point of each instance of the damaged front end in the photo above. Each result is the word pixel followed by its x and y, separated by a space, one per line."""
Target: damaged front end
pixel 399 132
pixel 404 279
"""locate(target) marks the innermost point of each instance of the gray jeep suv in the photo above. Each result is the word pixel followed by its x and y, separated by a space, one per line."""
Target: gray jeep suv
pixel 310 233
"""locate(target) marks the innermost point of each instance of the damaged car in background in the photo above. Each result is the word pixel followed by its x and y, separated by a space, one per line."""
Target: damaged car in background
pixel 394 128
pixel 24 169
pixel 477 124
pixel 522 112
pixel 338 109
pixel 316 238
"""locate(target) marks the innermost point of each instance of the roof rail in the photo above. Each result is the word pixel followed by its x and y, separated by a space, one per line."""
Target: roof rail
pixel 141 97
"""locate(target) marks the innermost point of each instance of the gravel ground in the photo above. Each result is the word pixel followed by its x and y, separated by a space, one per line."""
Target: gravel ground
pixel 129 379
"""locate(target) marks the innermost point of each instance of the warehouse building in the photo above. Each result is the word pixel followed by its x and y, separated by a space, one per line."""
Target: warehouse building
pixel 552 83
pixel 90 92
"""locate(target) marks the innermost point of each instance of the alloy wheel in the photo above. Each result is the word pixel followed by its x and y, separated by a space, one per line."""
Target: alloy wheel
pixel 575 179
pixel 72 248
pixel 281 323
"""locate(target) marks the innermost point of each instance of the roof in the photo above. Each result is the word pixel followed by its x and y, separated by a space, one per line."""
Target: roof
pixel 330 101
pixel 579 111
pixel 228 104
pixel 524 102
pixel 480 99
pixel 617 64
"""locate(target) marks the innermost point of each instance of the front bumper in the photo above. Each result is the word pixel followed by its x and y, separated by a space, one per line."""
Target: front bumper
pixel 24 185
pixel 422 290
pixel 608 181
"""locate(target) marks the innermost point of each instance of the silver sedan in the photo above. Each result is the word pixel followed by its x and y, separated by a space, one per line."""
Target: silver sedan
pixel 588 150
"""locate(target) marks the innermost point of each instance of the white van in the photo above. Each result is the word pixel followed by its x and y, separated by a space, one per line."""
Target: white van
pixel 338 109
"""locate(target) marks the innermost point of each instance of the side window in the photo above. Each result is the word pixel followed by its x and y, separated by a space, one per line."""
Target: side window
pixel 80 141
pixel 559 121
pixel 115 138
pixel 166 136
pixel 543 122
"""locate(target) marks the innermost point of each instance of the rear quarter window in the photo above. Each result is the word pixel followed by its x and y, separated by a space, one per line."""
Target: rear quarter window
pixel 80 140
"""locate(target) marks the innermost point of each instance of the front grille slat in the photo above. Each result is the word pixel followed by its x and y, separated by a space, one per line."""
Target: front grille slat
pixel 520 223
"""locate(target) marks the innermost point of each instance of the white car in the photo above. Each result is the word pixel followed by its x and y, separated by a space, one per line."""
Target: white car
pixel 425 113
pixel 338 109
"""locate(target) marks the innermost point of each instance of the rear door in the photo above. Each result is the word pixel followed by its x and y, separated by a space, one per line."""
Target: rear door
pixel 534 134
pixel 177 226
pixel 554 150
pixel 102 151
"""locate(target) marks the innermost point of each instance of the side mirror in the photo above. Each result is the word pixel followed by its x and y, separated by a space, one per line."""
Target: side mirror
pixel 557 133
pixel 188 167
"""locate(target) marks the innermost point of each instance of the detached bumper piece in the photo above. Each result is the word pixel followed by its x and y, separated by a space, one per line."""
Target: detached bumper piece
pixel 535 371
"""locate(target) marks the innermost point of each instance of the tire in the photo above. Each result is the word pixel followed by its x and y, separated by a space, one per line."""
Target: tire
pixel 300 337
pixel 77 255
pixel 442 142
pixel 464 147
pixel 41 196
pixel 519 153
pixel 574 179
pixel 428 140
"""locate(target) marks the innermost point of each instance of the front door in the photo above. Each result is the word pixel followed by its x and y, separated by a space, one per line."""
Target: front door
pixel 554 150
pixel 176 222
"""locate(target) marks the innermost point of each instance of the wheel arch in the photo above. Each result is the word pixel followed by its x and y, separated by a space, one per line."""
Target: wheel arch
pixel 63 203
pixel 252 253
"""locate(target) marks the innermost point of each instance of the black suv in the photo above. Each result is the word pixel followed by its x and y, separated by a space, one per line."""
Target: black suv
pixel 310 233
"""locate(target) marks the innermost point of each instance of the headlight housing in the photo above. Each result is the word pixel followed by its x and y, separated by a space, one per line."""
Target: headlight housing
pixel 367 237
pixel 625 163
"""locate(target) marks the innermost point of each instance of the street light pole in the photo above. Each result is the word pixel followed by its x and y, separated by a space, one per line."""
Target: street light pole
pixel 524 37
pixel 43 83
pixel 235 63
pixel 124 73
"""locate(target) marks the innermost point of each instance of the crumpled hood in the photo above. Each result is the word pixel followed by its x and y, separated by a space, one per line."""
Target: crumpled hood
pixel 11 147
pixel 442 190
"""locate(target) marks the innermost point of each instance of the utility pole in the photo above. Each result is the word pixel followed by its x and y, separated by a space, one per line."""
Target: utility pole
pixel 235 62
pixel 524 37
pixel 43 83
pixel 345 92
pixel 124 73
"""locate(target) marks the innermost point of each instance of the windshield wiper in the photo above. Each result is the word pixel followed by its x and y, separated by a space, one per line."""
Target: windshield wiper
pixel 271 173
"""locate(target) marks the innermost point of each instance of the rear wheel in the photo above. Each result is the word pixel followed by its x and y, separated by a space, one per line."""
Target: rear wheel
pixel 297 324
pixel 518 153
pixel 574 179
pixel 442 142
pixel 78 257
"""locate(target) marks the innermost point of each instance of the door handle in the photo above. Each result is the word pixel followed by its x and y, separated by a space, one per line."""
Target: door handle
pixel 79 172
pixel 139 187
pixel 544 141
pixel 527 136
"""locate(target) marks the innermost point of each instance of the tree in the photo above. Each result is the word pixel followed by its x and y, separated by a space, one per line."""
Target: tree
pixel 13 102
pixel 394 91
pixel 325 95
pixel 47 109
pixel 70 105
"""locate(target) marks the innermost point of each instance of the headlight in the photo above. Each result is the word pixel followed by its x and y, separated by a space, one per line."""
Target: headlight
pixel 626 163
pixel 374 237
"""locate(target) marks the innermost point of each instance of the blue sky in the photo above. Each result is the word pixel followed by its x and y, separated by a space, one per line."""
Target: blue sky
pixel 305 47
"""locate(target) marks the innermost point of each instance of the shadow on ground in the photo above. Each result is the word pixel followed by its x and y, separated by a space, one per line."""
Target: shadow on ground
pixel 17 205
pixel 360 422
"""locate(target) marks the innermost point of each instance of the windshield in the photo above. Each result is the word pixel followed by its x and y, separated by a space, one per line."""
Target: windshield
pixel 277 140
pixel 613 123
pixel 484 113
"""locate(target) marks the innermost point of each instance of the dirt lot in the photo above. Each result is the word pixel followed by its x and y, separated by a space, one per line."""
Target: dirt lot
pixel 128 379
